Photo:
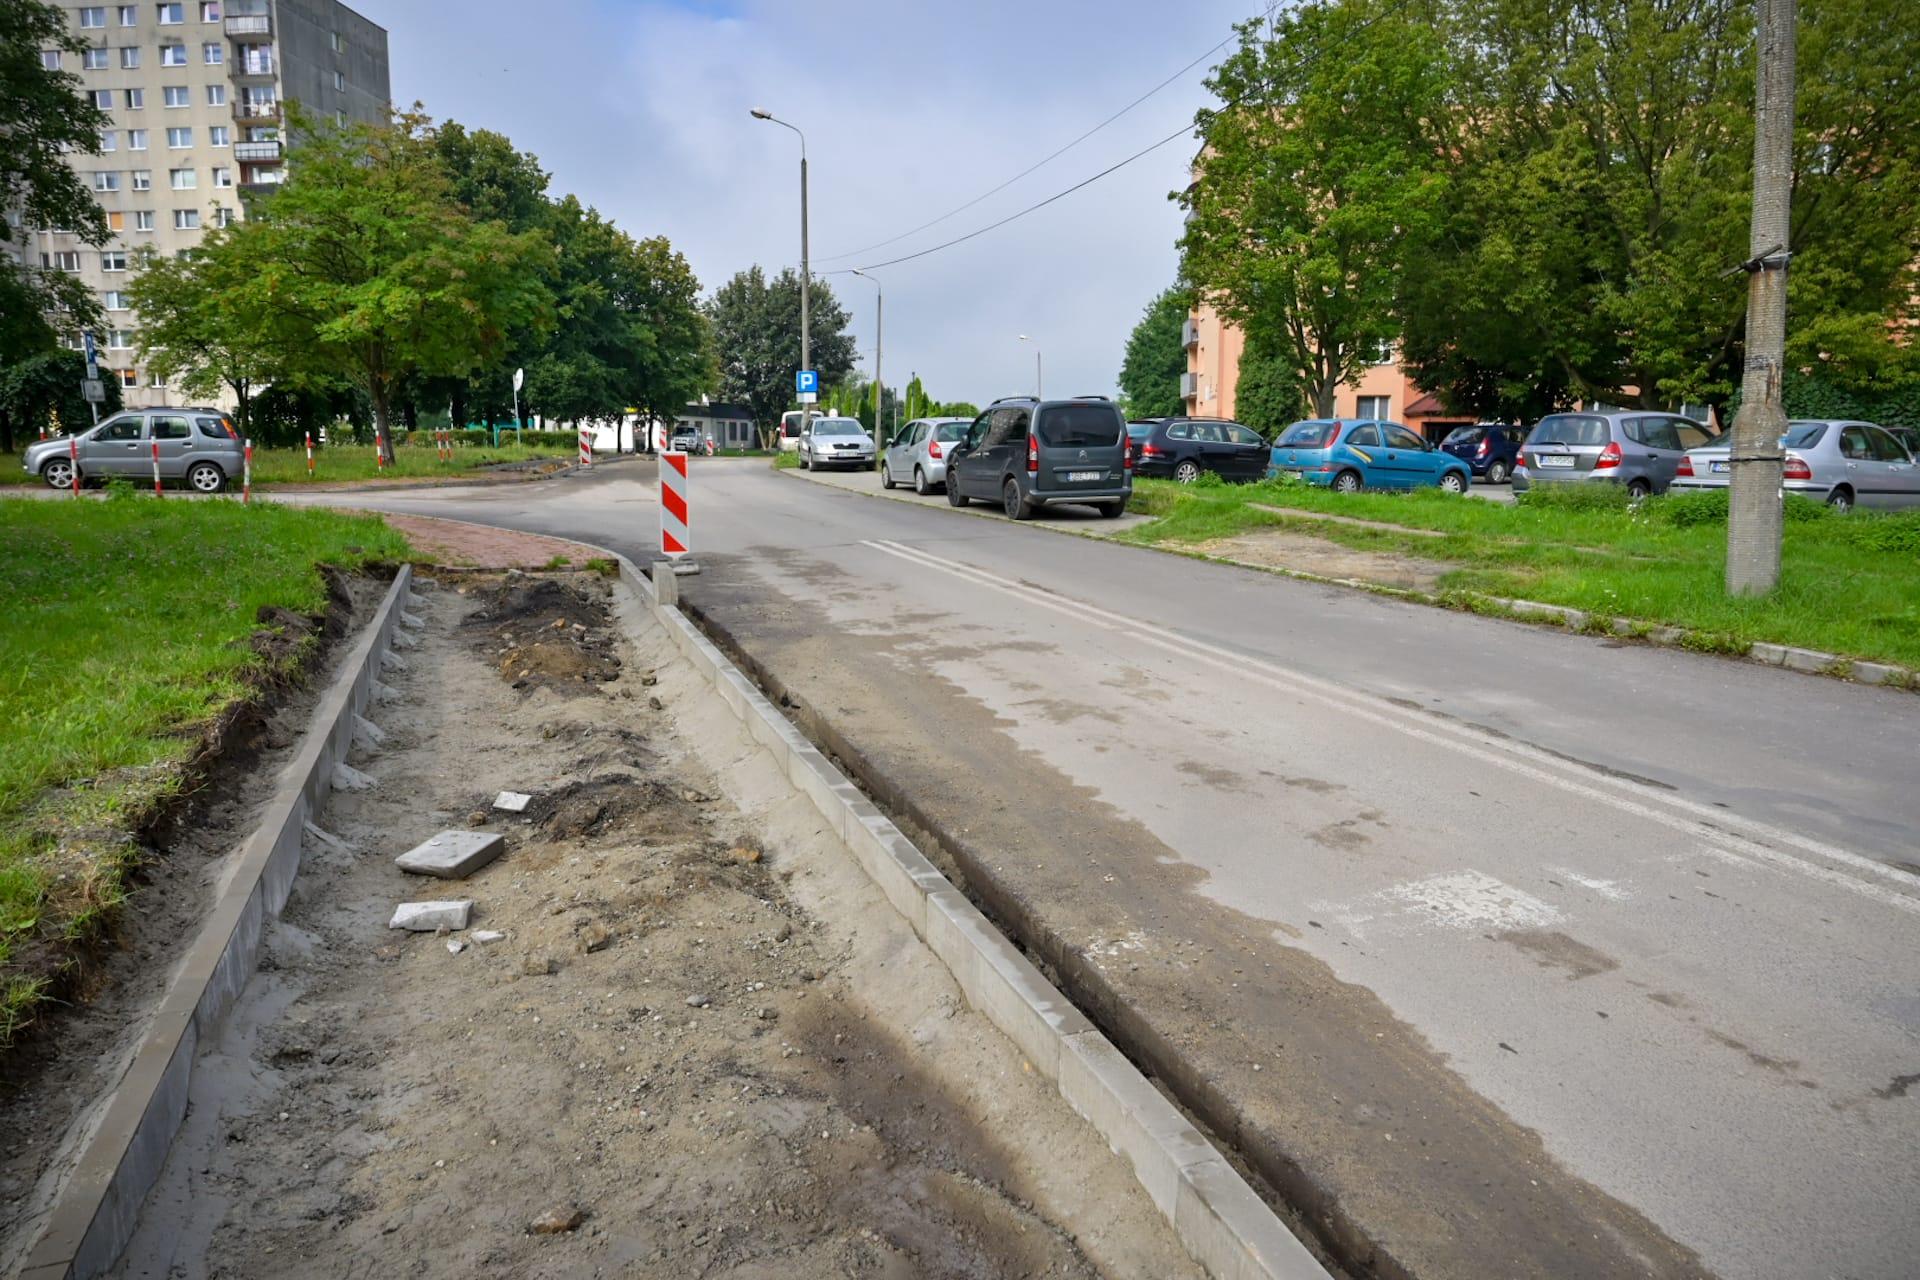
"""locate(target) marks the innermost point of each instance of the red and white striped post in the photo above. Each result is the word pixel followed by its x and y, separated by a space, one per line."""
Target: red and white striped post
pixel 674 543
pixel 246 475
pixel 586 446
pixel 156 469
pixel 309 455
pixel 379 455
pixel 73 458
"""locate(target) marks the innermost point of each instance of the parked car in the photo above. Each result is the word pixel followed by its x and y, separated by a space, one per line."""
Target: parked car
pixel 920 451
pixel 1909 438
pixel 1489 448
pixel 1186 448
pixel 197 446
pixel 835 442
pixel 790 430
pixel 1370 454
pixel 685 440
pixel 1641 450
pixel 1026 454
pixel 1839 463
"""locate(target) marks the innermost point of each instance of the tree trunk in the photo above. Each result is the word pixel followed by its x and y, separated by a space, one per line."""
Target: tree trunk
pixel 243 395
pixel 382 427
pixel 459 406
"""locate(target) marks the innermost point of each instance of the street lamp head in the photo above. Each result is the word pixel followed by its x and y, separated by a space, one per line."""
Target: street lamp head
pixel 760 113
pixel 1025 338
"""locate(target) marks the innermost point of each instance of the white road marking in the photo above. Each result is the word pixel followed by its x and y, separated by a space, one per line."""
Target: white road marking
pixel 1722 832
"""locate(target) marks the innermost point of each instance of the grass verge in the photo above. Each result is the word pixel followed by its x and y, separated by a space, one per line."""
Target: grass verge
pixel 342 463
pixel 128 632
pixel 1849 584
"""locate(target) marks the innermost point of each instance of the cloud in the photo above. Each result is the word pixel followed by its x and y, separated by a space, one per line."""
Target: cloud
pixel 640 108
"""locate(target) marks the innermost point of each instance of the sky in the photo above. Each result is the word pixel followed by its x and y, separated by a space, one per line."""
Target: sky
pixel 640 107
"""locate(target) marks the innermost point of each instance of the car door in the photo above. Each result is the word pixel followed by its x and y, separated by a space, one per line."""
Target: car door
pixel 174 436
pixel 1662 447
pixel 1248 459
pixel 1364 447
pixel 1866 474
pixel 1007 433
pixel 1409 459
pixel 1899 485
pixel 972 463
pixel 899 459
pixel 116 448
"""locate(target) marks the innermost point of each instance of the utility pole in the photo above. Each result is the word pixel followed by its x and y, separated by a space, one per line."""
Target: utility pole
pixel 879 386
pixel 1754 514
pixel 806 271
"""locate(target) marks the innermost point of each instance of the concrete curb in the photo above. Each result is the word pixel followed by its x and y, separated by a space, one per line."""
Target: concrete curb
pixel 95 1212
pixel 1224 1225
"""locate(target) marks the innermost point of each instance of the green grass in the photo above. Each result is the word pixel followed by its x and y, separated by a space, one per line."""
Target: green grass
pixel 125 635
pixel 786 462
pixel 1849 584
pixel 337 463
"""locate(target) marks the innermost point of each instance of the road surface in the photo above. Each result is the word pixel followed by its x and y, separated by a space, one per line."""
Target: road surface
pixel 1506 951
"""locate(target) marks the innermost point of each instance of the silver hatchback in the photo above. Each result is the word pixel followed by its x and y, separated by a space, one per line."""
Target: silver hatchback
pixel 1840 463
pixel 197 447
pixel 1639 450
pixel 918 454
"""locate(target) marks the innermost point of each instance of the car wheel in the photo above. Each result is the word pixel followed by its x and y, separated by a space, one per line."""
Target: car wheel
pixel 803 461
pixel 58 474
pixel 886 476
pixel 1453 482
pixel 1841 499
pixel 1347 482
pixel 1187 472
pixel 1497 472
pixel 1113 510
pixel 1017 507
pixel 204 477
pixel 1638 489
pixel 955 498
pixel 920 485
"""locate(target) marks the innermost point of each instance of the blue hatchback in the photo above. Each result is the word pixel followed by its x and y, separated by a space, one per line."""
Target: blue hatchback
pixel 1369 454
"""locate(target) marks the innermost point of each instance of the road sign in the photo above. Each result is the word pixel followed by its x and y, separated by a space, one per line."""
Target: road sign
pixel 809 397
pixel 519 378
pixel 93 355
pixel 807 382
pixel 93 391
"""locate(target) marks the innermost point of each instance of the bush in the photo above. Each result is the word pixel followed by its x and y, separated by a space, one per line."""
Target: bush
pixel 1894 534
pixel 1576 497
pixel 1685 510
pixel 1209 480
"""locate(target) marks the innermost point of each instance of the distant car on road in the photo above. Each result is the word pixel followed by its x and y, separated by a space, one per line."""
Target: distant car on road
pixel 1026 453
pixel 835 442
pixel 1187 448
pixel 685 440
pixel 1489 448
pixel 1641 450
pixel 1842 464
pixel 197 446
pixel 920 451
pixel 1368 454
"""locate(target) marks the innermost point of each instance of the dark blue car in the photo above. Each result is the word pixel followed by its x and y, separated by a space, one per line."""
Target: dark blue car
pixel 1489 448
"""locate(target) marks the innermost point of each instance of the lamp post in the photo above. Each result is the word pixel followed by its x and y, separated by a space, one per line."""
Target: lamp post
pixel 1039 384
pixel 806 275
pixel 880 387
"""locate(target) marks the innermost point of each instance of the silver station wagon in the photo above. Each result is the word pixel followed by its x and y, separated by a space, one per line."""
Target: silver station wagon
pixel 198 448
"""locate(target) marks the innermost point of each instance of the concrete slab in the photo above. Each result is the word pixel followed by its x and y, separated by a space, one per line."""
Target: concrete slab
pixel 431 917
pixel 512 801
pixel 453 855
pixel 347 778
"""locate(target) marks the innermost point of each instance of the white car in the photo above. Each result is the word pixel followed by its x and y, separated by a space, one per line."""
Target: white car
pixel 835 442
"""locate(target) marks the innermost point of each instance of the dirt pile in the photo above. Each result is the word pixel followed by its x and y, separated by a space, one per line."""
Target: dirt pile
pixel 546 632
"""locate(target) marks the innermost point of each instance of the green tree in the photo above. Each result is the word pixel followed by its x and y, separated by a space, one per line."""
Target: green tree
pixel 1327 154
pixel 756 335
pixel 42 393
pixel 1267 396
pixel 194 331
pixel 369 270
pixel 1156 357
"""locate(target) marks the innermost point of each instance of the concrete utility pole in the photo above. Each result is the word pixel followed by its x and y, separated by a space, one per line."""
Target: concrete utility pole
pixel 806 272
pixel 1754 503
pixel 880 388
pixel 1039 382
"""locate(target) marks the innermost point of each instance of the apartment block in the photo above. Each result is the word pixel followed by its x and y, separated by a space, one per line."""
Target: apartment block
pixel 195 93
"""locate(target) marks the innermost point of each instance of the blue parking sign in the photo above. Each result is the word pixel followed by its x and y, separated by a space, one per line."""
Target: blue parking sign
pixel 806 380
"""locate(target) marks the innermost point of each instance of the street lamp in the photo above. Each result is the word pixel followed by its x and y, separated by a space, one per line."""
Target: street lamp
pixel 1039 384
pixel 880 394
pixel 806 275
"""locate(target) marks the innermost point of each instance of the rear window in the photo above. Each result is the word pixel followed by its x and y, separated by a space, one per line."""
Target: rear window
pixel 1308 435
pixel 1079 426
pixel 215 429
pixel 1804 436
pixel 1568 428
pixel 948 432
pixel 836 427
pixel 1465 435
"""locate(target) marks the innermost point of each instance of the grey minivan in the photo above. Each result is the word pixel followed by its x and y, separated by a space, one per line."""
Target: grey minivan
pixel 197 446
pixel 1638 449
pixel 1026 453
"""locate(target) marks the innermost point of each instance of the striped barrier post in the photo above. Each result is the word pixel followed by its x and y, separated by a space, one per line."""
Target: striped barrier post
pixel 586 446
pixel 156 469
pixel 309 455
pixel 674 543
pixel 73 457
pixel 246 475
pixel 379 455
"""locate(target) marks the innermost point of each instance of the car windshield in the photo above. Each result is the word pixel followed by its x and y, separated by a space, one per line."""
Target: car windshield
pixel 1803 435
pixel 836 427
pixel 1077 426
pixel 1307 435
pixel 1464 435
pixel 948 432
pixel 1570 429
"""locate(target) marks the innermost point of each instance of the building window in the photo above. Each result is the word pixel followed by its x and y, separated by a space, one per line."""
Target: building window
pixel 129 15
pixel 173 55
pixel 186 219
pixel 93 16
pixel 339 80
pixel 1374 407
pixel 102 98
pixel 128 378
pixel 113 260
pixel 222 176
pixel 216 95
pixel 210 52
pixel 157 380
pixel 136 99
pixel 130 57
pixel 93 60
pixel 62 259
pixel 109 140
pixel 143 219
pixel 217 135
pixel 104 181
pixel 179 139
pixel 339 117
pixel 114 300
pixel 209 11
pixel 119 340
pixel 177 96
pixel 136 139
pixel 223 216
pixel 50 59
pixel 184 179
pixel 172 14
pixel 142 179
pixel 339 45
pixel 116 221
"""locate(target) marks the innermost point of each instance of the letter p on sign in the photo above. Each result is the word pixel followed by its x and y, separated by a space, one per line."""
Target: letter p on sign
pixel 673 505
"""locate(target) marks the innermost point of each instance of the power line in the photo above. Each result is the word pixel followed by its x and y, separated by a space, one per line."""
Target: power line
pixel 1055 155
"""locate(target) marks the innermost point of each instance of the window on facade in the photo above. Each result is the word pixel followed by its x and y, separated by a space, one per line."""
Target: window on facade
pixel 116 221
pixel 93 16
pixel 106 181
pixel 339 80
pixel 143 219
pixel 222 176
pixel 109 140
pixel 136 99
pixel 173 55
pixel 339 45
pixel 179 139
pixel 130 57
pixel 119 339
pixel 114 300
pixel 210 52
pixel 142 180
pixel 184 179
pixel 113 260
pixel 50 59
pixel 129 15
pixel 172 14
pixel 217 135
pixel 209 11
pixel 93 60
pixel 216 95
pixel 102 98
pixel 136 139
pixel 1373 407
pixel 186 219
pixel 223 216
pixel 128 378
pixel 176 95
pixel 160 380
pixel 62 259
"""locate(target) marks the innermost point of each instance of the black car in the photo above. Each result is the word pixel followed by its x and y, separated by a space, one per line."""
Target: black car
pixel 1024 454
pixel 1183 448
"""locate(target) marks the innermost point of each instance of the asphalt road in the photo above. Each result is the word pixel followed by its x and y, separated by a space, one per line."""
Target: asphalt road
pixel 1511 952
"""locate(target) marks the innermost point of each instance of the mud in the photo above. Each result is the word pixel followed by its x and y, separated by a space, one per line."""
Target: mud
pixel 1284 549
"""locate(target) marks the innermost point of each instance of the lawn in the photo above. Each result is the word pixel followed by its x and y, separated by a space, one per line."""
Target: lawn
pixel 337 463
pixel 125 636
pixel 1850 584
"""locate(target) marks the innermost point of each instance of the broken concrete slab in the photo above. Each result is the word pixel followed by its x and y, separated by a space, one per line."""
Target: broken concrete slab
pixel 327 840
pixel 392 661
pixel 512 801
pixel 413 620
pixel 431 917
pixel 367 734
pixel 348 778
pixel 484 936
pixel 452 855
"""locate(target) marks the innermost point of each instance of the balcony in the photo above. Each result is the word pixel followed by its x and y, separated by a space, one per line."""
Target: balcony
pixel 255 26
pixel 1189 385
pixel 253 111
pixel 1189 333
pixel 254 64
pixel 256 151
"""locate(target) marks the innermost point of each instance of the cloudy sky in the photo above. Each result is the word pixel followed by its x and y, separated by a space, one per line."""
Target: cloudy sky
pixel 910 109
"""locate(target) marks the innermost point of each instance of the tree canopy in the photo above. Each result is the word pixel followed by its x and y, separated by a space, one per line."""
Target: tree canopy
pixel 756 332
pixel 1156 357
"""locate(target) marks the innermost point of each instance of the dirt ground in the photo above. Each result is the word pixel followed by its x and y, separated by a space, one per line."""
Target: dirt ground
pixel 702 1046
pixel 1281 549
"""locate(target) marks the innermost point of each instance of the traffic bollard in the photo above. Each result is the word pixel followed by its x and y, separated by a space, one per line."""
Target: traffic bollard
pixel 586 447
pixel 73 456
pixel 246 475
pixel 156 469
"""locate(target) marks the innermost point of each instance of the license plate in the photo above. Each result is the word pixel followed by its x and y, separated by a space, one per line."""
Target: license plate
pixel 1718 466
pixel 1074 477
pixel 1555 460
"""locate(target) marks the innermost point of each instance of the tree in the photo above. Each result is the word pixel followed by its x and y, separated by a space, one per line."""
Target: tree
pixel 1267 396
pixel 43 116
pixel 1328 153
pixel 194 330
pixel 42 393
pixel 368 269
pixel 1156 357
pixel 756 334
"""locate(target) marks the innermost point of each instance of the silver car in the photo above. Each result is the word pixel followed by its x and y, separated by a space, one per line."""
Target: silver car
pixel 920 451
pixel 197 446
pixel 1839 463
pixel 1640 450
pixel 835 442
